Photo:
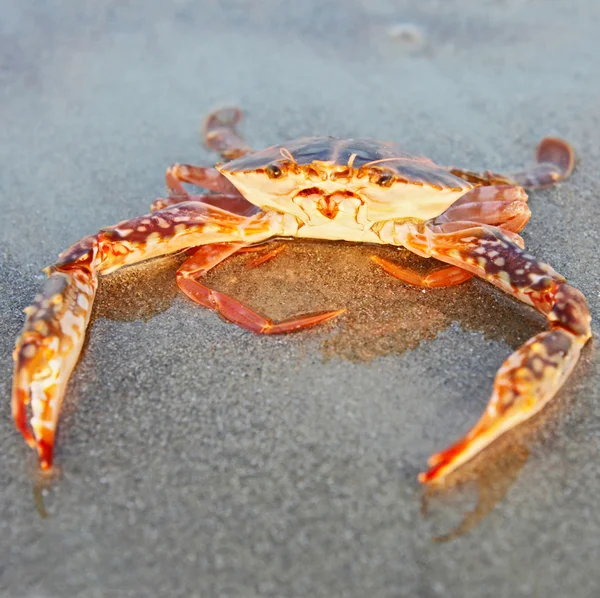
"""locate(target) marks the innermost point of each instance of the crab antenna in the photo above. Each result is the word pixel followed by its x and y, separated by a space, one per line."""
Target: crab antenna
pixel 286 154
pixel 351 160
pixel 380 161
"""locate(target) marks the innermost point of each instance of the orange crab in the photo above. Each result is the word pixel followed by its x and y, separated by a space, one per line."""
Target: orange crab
pixel 320 188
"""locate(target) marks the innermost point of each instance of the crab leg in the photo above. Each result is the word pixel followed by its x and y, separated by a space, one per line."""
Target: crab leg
pixel 496 205
pixel 208 257
pixel 532 375
pixel 48 348
pixel 220 134
pixel 446 277
pixel 492 193
pixel 555 160
pixel 47 351
pixel 266 257
pixel 206 177
pixel 500 205
pixel 234 203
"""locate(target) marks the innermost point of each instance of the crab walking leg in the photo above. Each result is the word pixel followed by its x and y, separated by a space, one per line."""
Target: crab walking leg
pixel 446 277
pixel 48 348
pixel 206 177
pixel 265 257
pixel 494 210
pixel 492 193
pixel 220 134
pixel 555 160
pixel 532 375
pixel 234 203
pixel 208 257
pixel 500 205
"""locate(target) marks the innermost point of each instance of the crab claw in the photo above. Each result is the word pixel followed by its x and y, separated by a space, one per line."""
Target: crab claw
pixel 46 353
pixel 524 384
pixel 30 356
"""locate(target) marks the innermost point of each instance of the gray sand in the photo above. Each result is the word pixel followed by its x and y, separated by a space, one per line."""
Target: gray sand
pixel 196 459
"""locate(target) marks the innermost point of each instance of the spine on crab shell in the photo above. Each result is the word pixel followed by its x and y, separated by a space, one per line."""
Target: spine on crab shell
pixel 49 345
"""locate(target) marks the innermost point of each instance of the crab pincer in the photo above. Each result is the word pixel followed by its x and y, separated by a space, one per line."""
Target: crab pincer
pixel 532 375
pixel 46 353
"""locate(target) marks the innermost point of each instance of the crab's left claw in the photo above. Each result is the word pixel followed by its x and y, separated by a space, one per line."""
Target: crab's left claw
pixel 534 373
pixel 46 353
pixel 51 341
pixel 28 357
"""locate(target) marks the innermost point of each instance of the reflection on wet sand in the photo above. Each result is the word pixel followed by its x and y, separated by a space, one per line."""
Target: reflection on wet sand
pixel 384 316
pixel 489 477
pixel 139 292
pixel 38 500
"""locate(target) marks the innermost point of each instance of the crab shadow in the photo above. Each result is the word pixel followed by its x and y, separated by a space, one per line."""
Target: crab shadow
pixel 383 315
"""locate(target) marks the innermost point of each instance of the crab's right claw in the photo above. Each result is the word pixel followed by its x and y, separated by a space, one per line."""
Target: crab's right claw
pixel 524 384
pixel 533 374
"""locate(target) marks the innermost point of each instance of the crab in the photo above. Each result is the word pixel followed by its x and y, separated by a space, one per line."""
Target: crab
pixel 320 188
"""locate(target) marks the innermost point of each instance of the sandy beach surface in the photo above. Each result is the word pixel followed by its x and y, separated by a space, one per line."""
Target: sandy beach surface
pixel 196 459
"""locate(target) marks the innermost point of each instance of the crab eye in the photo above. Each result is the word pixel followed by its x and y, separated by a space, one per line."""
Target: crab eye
pixel 273 171
pixel 385 180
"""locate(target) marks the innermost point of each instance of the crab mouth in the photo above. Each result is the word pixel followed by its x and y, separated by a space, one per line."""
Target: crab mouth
pixel 329 205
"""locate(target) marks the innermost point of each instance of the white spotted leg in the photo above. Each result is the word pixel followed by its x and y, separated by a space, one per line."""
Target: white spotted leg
pixel 532 375
pixel 47 351
pixel 53 335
